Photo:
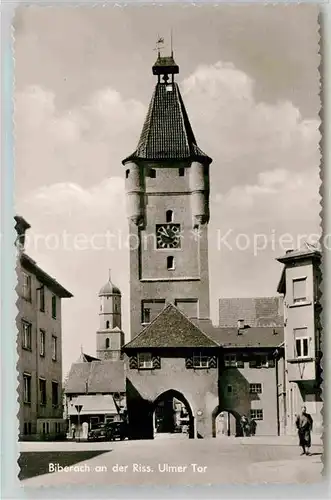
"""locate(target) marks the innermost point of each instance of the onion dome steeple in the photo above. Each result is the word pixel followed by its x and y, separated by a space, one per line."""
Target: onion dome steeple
pixel 109 288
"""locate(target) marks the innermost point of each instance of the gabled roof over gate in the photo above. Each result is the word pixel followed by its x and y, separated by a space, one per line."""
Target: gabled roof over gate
pixel 171 328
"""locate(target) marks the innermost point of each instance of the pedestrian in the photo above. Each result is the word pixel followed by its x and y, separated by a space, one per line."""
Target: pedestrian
pixel 73 431
pixel 253 425
pixel 244 425
pixel 304 424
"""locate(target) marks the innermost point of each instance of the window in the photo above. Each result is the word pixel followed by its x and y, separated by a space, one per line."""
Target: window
pixel 255 388
pixel 26 388
pixel 55 393
pixel 170 263
pixel 181 172
pixel 27 428
pixel 152 173
pixel 299 290
pixel 127 172
pixel 45 427
pixel 200 361
pixel 233 360
pixel 42 299
pixel 301 343
pixel 26 286
pixel 42 391
pixel 229 389
pixel 107 325
pixel 262 362
pixel 169 216
pixel 146 315
pixel 256 414
pixel 42 343
pixel 54 348
pixel 107 343
pixel 145 360
pixel 54 306
pixel 26 333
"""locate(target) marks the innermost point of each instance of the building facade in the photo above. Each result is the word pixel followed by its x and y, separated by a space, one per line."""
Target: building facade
pixel 176 354
pixel 39 346
pixel 300 285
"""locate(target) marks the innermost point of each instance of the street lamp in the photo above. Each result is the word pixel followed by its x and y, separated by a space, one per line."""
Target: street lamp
pixel 79 409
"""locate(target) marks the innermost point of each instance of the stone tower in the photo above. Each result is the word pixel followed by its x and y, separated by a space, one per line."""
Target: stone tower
pixel 167 186
pixel 110 337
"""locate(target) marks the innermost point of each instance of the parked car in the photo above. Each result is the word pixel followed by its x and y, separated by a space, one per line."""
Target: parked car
pixel 109 431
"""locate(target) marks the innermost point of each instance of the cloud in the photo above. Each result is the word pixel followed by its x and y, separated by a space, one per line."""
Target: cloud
pixel 246 137
pixel 81 145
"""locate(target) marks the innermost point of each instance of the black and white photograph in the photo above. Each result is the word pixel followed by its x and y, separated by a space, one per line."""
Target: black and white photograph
pixel 168 245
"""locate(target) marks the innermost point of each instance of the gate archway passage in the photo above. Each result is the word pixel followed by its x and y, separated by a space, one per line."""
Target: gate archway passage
pixel 172 414
pixel 226 423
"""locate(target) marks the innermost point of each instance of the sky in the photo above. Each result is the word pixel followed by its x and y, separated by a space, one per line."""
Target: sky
pixel 83 81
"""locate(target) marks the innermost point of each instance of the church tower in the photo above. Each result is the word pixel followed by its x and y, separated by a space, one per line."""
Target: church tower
pixel 167 186
pixel 110 337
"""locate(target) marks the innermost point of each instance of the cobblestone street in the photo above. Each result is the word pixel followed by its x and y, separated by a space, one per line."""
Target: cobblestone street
pixel 172 461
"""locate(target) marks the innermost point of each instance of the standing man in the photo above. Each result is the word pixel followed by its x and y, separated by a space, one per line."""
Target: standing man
pixel 304 424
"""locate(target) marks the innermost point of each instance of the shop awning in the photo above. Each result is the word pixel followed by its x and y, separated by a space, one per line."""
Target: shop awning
pixel 93 405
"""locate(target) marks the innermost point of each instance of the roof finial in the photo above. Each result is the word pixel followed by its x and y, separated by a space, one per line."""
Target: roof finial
pixel 81 348
pixel 109 272
pixel 172 52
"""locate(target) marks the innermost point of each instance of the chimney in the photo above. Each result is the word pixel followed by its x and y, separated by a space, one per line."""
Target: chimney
pixel 241 326
pixel 20 227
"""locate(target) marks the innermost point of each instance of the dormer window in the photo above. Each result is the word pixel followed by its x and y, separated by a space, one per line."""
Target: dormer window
pixel 145 360
pixel 200 361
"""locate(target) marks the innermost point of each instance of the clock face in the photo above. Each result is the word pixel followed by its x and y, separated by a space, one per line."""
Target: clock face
pixel 168 235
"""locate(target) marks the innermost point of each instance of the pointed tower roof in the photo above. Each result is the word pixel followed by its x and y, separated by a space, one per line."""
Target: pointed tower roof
pixel 109 288
pixel 167 133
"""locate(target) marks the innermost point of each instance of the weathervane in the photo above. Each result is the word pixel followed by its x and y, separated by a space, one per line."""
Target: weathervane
pixel 159 45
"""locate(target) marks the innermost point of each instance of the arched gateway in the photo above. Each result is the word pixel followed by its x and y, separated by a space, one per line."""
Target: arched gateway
pixel 172 414
pixel 225 423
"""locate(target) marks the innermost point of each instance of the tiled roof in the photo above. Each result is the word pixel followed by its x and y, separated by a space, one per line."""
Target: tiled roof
pixel 171 328
pixel 77 378
pixel 250 337
pixel 255 311
pixel 167 133
pixel 106 376
pixel 301 253
pixel 97 376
